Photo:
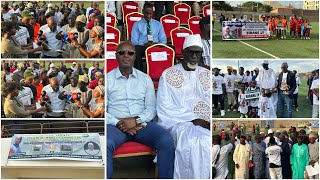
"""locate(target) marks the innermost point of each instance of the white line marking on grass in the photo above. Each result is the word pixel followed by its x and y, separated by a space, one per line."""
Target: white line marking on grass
pixel 254 47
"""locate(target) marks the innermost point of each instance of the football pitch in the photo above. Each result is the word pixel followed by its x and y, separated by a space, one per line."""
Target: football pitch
pixel 305 109
pixel 272 48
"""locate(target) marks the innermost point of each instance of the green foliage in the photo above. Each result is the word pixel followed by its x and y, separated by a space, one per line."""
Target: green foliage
pixel 221 5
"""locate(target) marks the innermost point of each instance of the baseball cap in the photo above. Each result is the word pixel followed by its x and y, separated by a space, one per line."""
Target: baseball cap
pixel 270 131
pixel 265 62
pixel 50 5
pixel 52 65
pixel 216 69
pixel 27 14
pixel 29 73
pixel 74 63
pixel 229 67
pixel 72 16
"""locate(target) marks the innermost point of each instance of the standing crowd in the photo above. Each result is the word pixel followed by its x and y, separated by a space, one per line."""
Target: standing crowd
pixel 258 93
pixel 41 30
pixel 31 89
pixel 260 155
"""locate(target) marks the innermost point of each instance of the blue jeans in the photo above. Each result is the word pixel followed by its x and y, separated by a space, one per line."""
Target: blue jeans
pixel 284 99
pixel 152 135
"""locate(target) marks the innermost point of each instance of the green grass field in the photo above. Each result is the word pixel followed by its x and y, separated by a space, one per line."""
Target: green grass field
pixel 305 109
pixel 284 48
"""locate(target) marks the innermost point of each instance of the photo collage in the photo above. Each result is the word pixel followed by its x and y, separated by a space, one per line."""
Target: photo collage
pixel 159 89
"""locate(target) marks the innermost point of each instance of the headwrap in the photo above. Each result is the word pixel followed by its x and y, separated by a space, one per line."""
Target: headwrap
pixel 99 30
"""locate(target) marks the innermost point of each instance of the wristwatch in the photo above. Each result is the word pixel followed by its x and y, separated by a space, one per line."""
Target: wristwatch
pixel 140 122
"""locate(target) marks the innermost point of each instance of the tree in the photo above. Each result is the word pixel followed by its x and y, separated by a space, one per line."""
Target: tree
pixel 266 8
pixel 256 6
pixel 221 5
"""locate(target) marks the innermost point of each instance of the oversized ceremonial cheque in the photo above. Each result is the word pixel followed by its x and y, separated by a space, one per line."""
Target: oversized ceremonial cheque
pixel 244 30
pixel 72 146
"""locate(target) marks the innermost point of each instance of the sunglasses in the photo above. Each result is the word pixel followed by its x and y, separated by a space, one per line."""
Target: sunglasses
pixel 129 52
pixel 191 53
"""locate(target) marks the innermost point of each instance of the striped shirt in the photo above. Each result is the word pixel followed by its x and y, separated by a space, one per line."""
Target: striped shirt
pixel 206 52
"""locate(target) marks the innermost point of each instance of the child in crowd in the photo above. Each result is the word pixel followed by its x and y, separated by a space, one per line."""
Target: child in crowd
pixel 253 103
pixel 243 105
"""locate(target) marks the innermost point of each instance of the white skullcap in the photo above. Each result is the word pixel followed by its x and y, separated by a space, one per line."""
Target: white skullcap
pixel 192 40
pixel 278 131
pixel 52 65
pixel 270 131
pixel 265 62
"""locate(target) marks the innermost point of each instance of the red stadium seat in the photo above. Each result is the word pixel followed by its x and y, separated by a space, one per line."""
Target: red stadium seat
pixel 169 22
pixel 182 11
pixel 159 57
pixel 130 149
pixel 177 39
pixel 206 10
pixel 113 34
pixel 193 24
pixel 130 20
pixel 129 7
pixel 112 62
pixel 111 20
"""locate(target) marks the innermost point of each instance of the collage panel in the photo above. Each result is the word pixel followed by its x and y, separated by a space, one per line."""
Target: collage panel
pixel 265 89
pixel 52 89
pixel 55 29
pixel 52 149
pixel 266 29
pixel 158 89
pixel 265 149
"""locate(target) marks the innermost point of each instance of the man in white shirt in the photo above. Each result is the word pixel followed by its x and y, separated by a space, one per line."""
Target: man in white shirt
pixel 229 80
pixel 22 34
pixel 218 90
pixel 267 82
pixel 57 105
pixel 295 93
pixel 271 134
pixel 56 46
pixel 183 108
pixel 16 9
pixel 220 156
pixel 273 152
pixel 286 87
pixel 247 78
pixel 315 91
pixel 73 67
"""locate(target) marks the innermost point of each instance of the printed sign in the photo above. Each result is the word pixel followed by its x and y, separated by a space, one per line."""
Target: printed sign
pixel 244 30
pixel 159 56
pixel 77 146
pixel 251 95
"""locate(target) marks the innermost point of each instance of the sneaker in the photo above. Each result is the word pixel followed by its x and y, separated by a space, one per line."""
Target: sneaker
pixel 297 109
pixel 241 116
pixel 246 116
pixel 229 110
pixel 223 113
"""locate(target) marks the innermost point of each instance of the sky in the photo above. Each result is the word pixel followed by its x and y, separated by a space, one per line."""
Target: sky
pixel 295 4
pixel 298 65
